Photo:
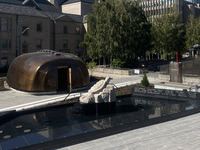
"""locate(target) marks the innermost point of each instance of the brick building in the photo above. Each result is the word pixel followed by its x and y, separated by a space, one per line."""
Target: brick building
pixel 31 25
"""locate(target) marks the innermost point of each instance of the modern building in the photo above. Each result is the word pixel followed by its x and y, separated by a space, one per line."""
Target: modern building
pixel 153 8
pixel 31 25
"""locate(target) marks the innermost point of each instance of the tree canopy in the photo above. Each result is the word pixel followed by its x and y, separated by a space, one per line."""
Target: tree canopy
pixel 117 29
pixel 193 31
pixel 168 34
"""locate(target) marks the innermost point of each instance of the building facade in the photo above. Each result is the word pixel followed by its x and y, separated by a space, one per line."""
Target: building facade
pixel 29 27
pixel 78 7
pixel 154 8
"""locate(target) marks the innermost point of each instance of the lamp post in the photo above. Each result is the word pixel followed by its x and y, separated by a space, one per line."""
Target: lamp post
pixel 20 38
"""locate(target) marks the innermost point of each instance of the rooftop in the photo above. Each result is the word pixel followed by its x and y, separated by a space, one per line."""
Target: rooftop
pixel 20 10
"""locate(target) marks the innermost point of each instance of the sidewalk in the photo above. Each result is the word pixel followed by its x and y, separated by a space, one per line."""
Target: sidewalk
pixel 179 134
pixel 14 98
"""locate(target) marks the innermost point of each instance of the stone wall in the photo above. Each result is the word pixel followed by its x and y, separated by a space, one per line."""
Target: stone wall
pixel 165 94
pixel 175 72
pixel 191 79
pixel 165 77
pixel 117 71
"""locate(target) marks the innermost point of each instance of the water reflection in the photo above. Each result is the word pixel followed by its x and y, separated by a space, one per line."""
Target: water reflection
pixel 59 123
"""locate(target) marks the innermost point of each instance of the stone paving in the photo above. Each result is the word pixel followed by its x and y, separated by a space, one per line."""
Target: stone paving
pixel 12 97
pixel 179 134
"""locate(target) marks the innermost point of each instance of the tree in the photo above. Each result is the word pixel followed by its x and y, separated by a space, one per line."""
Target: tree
pixel 168 33
pixel 145 81
pixel 117 29
pixel 192 31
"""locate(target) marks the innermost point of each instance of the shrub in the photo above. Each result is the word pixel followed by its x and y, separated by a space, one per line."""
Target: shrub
pixel 91 65
pixel 145 81
pixel 117 63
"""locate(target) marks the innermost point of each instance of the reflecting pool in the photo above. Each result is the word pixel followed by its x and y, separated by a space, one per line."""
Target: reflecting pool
pixel 68 121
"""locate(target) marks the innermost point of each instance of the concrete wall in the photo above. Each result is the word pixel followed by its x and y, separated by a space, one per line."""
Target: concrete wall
pixel 117 71
pixel 73 8
pixel 194 80
pixel 165 77
pixel 175 72
pixel 191 79
pixel 77 8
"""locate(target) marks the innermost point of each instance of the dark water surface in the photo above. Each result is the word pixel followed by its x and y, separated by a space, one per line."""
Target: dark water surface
pixel 58 123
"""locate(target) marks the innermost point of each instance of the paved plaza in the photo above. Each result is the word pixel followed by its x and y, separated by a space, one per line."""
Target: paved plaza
pixel 13 98
pixel 179 134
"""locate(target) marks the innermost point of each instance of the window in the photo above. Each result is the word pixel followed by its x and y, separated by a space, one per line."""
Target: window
pixel 5 44
pixel 39 27
pixel 77 30
pixel 65 29
pixel 4 61
pixel 4 58
pixel 77 43
pixel 38 44
pixel 5 24
pixel 24 47
pixel 25 30
pixel 65 44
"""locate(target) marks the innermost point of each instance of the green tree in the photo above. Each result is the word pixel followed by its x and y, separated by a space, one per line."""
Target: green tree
pixel 145 81
pixel 117 29
pixel 168 34
pixel 91 65
pixel 192 31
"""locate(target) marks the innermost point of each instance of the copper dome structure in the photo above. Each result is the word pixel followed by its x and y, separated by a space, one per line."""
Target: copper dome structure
pixel 47 70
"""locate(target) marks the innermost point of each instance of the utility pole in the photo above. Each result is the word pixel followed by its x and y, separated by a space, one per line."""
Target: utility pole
pixel 17 21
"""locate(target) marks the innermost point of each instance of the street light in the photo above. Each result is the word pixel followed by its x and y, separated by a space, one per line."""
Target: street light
pixel 20 38
pixel 25 30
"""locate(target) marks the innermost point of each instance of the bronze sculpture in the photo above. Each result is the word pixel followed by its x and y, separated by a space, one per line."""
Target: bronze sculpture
pixel 47 70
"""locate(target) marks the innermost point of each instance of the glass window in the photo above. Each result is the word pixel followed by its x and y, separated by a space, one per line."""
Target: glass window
pixel 24 47
pixel 4 58
pixel 38 44
pixel 25 30
pixel 39 27
pixel 4 44
pixel 4 61
pixel 77 30
pixel 77 43
pixel 65 29
pixel 65 44
pixel 5 24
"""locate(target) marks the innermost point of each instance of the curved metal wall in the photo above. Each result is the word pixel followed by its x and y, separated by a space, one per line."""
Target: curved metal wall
pixel 39 71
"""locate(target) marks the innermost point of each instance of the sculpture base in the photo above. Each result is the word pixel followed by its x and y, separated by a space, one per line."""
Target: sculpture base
pixel 95 108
